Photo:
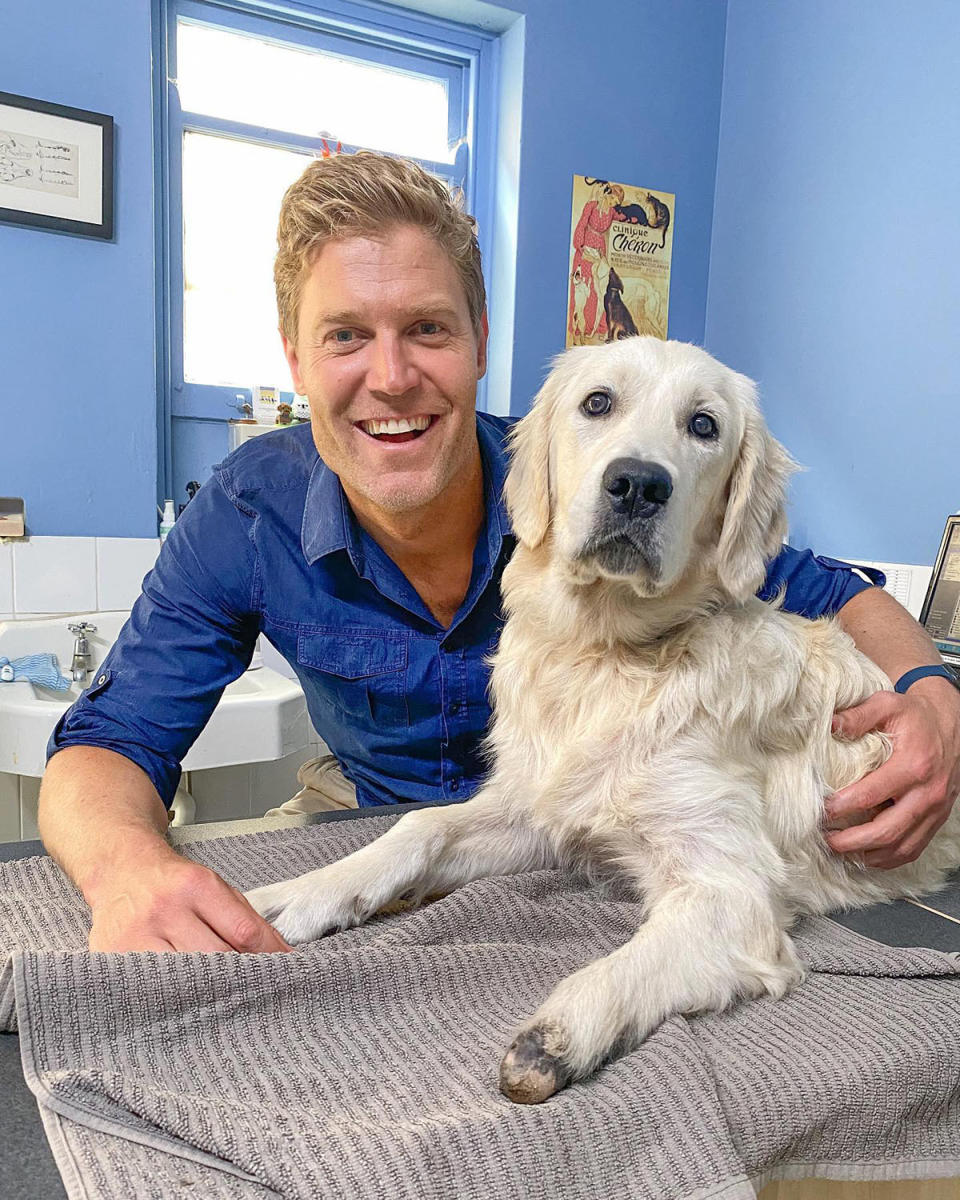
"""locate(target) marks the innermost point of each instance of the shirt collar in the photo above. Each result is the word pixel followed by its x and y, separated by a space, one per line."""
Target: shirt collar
pixel 494 474
pixel 327 520
pixel 329 525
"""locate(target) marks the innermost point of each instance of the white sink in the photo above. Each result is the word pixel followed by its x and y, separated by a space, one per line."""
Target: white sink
pixel 261 716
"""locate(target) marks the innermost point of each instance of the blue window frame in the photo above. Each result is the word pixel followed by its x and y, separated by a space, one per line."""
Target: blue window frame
pixel 463 59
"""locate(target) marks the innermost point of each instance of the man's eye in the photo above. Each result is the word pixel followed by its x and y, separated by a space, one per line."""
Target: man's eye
pixel 343 336
pixel 427 328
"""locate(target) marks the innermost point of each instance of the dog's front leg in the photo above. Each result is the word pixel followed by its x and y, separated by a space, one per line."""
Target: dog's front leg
pixel 433 850
pixel 703 945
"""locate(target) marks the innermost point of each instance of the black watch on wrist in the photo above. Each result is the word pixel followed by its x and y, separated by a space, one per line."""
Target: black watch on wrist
pixel 910 677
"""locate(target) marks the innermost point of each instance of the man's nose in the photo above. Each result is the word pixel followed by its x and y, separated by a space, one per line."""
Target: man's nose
pixel 391 370
pixel 635 488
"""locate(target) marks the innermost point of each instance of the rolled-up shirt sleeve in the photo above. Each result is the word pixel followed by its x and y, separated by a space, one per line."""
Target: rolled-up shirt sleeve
pixel 815 586
pixel 191 632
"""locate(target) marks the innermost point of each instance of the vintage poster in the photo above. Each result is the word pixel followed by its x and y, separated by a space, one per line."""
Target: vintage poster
pixel 621 239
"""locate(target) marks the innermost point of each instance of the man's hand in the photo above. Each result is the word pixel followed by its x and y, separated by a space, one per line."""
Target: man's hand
pixel 171 903
pixel 921 777
pixel 102 820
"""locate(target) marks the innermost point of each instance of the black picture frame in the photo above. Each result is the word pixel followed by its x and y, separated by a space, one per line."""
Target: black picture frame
pixel 17 165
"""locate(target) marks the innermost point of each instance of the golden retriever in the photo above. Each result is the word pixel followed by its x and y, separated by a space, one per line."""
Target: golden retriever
pixel 651 716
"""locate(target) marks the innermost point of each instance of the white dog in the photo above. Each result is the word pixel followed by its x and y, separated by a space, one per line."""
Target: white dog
pixel 651 715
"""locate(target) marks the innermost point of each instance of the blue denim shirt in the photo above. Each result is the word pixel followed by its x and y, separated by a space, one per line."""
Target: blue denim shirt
pixel 270 545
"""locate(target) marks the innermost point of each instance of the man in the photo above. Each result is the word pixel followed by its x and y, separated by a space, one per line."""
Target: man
pixel 368 548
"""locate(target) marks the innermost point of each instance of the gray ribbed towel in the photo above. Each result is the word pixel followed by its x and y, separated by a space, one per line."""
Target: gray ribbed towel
pixel 365 1065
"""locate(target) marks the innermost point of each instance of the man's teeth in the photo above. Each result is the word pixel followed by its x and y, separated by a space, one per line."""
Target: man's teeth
pixel 404 425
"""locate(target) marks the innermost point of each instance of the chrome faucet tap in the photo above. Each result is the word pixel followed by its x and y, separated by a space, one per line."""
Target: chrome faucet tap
pixel 81 665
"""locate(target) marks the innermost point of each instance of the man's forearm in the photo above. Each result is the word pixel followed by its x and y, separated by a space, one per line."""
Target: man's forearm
pixel 886 633
pixel 99 813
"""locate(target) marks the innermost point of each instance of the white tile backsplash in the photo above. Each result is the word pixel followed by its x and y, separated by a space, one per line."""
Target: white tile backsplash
pixel 121 566
pixel 6 578
pixel 59 576
pixel 39 616
pixel 54 575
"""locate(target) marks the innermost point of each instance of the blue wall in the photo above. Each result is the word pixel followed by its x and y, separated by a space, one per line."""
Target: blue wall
pixel 78 326
pixel 835 264
pixel 78 433
pixel 631 95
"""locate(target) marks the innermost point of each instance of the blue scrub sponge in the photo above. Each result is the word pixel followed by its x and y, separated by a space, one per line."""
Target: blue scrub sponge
pixel 42 669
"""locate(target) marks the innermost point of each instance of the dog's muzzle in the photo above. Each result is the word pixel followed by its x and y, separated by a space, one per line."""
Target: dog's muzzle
pixel 626 540
pixel 636 489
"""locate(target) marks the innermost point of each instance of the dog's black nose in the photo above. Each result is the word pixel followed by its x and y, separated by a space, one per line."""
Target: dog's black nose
pixel 635 488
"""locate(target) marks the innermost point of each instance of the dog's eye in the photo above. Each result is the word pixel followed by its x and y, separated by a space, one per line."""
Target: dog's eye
pixel 702 425
pixel 597 404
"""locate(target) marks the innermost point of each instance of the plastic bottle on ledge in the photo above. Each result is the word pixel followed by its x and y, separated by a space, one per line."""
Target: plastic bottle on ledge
pixel 167 520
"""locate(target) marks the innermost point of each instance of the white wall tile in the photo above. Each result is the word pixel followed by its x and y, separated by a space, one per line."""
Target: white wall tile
pixel 9 807
pixel 121 566
pixel 29 802
pixel 39 616
pixel 55 575
pixel 6 578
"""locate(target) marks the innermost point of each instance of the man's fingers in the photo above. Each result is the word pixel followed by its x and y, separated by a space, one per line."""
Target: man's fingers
pixel 99 945
pixel 886 832
pixel 235 919
pixel 887 782
pixel 853 723
pixel 194 911
pixel 193 935
pixel 910 847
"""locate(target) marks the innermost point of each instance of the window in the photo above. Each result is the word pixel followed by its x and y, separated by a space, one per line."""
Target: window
pixel 249 98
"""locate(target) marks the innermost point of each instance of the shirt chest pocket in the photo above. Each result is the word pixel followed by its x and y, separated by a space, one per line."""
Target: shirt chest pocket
pixel 364 675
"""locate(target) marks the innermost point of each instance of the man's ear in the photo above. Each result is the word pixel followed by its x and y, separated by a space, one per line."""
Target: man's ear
pixel 482 335
pixel 527 488
pixel 293 360
pixel 755 520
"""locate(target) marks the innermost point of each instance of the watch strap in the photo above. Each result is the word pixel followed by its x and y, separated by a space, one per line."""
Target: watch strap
pixel 910 677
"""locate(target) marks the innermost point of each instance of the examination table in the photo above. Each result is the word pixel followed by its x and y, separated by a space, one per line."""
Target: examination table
pixel 28 1169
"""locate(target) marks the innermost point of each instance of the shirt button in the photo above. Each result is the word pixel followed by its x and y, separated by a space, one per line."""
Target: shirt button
pixel 454 708
pixel 102 679
pixel 455 785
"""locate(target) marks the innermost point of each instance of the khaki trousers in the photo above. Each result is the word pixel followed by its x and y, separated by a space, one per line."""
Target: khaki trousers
pixel 323 787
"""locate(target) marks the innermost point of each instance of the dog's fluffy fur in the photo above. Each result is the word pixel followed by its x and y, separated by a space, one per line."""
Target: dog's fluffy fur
pixel 651 716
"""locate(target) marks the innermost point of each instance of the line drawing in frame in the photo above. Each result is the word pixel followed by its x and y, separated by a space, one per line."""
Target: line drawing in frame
pixel 56 167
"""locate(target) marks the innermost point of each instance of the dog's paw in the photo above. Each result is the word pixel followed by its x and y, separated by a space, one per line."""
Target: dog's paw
pixel 533 1068
pixel 294 908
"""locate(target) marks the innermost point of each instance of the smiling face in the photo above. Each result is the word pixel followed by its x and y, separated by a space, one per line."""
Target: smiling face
pixel 388 357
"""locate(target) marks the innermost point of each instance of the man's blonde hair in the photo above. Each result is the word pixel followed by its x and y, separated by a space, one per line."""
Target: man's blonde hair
pixel 364 194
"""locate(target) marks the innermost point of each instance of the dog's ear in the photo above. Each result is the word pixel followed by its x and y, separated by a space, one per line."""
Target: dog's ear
pixel 527 487
pixel 755 521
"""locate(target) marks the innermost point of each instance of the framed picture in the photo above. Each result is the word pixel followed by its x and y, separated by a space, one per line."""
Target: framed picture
pixel 56 167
